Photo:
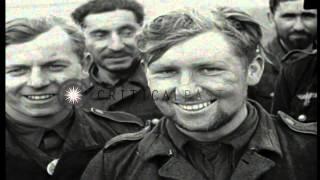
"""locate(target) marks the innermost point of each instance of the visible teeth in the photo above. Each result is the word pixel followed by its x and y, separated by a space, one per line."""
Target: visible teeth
pixel 40 97
pixel 201 105
pixel 195 107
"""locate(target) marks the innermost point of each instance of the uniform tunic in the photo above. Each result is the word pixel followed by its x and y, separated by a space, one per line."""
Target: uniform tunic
pixel 296 88
pixel 83 135
pixel 278 149
pixel 130 94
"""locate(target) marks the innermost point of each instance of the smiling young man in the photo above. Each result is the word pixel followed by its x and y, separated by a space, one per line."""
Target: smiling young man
pixel 203 63
pixel 117 81
pixel 295 28
pixel 45 137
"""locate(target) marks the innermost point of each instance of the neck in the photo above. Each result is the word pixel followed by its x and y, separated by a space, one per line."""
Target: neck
pixel 214 135
pixel 44 121
pixel 107 76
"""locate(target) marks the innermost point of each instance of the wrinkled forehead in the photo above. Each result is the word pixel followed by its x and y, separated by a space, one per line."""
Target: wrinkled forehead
pixel 293 6
pixel 110 20
pixel 207 47
pixel 54 41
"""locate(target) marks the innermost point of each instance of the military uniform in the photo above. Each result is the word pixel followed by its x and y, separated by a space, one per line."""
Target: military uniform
pixel 130 95
pixel 263 92
pixel 296 88
pixel 278 149
pixel 88 131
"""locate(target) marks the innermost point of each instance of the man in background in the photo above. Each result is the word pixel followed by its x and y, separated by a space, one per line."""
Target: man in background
pixel 117 81
pixel 296 28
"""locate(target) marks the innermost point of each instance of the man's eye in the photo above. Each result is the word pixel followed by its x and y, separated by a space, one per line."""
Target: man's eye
pixel 165 73
pixel 127 33
pixel 17 71
pixel 289 16
pixel 209 71
pixel 56 67
pixel 99 35
pixel 309 16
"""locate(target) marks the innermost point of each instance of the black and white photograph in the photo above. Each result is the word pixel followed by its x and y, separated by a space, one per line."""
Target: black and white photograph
pixel 160 90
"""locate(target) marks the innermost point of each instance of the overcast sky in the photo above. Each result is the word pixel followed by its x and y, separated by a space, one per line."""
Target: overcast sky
pixel 35 8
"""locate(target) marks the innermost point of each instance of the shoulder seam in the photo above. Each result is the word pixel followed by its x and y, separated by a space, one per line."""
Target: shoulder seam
pixel 123 116
pixel 127 137
pixel 297 51
pixel 305 128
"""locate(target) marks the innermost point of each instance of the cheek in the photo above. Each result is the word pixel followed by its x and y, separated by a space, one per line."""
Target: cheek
pixel 223 85
pixel 283 24
pixel 161 88
pixel 13 86
pixel 72 72
pixel 130 42
pixel 94 46
pixel 15 82
pixel 311 25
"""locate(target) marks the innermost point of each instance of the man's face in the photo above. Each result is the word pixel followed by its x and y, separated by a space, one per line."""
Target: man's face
pixel 296 26
pixel 35 71
pixel 204 80
pixel 110 38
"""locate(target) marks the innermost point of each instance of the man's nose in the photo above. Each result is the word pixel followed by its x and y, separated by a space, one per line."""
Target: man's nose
pixel 187 88
pixel 37 79
pixel 116 42
pixel 298 24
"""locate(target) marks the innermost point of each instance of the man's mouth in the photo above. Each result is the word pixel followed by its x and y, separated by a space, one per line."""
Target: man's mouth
pixel 39 97
pixel 299 35
pixel 195 106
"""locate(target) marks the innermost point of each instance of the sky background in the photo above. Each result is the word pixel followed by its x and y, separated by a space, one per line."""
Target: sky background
pixel 63 8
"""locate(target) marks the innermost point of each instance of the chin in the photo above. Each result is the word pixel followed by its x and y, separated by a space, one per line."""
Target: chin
pixel 199 125
pixel 118 68
pixel 42 112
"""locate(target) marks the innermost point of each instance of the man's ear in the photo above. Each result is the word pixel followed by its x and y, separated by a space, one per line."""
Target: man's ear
pixel 271 17
pixel 86 63
pixel 146 72
pixel 255 70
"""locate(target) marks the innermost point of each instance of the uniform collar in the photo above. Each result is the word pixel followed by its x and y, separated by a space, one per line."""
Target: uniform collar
pixel 34 134
pixel 265 138
pixel 252 163
pixel 135 82
pixel 133 75
pixel 257 159
pixel 275 52
pixel 81 133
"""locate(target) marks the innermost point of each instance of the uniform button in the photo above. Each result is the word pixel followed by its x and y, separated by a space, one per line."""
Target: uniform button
pixel 302 118
pixel 272 94
pixel 155 121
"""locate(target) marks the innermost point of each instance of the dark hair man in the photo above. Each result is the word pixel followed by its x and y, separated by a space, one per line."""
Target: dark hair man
pixel 117 81
pixel 45 139
pixel 296 28
pixel 212 131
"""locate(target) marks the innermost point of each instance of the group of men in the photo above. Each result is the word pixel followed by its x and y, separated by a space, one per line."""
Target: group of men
pixel 188 95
